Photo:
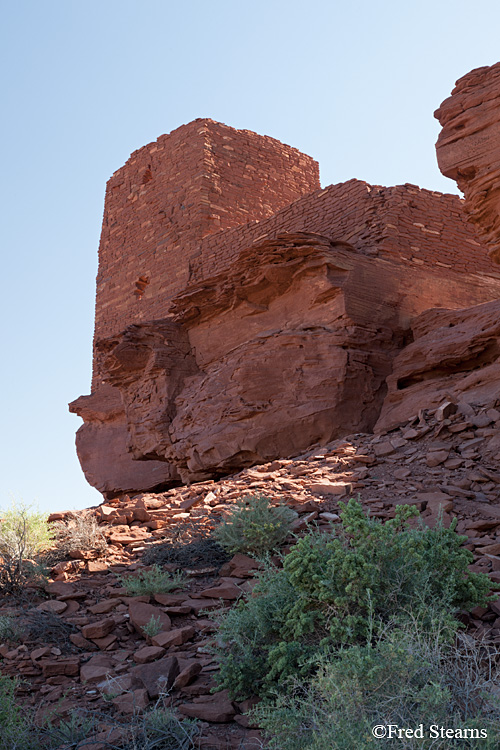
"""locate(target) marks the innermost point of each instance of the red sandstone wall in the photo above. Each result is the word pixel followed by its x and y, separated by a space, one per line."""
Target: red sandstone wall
pixel 199 179
pixel 419 226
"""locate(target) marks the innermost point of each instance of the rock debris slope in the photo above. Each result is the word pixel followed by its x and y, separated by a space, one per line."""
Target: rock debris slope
pixel 445 461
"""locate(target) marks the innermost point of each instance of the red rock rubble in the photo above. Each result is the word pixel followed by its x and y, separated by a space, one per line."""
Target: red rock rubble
pixel 443 460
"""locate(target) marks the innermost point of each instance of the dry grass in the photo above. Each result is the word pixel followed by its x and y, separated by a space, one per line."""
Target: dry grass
pixel 80 532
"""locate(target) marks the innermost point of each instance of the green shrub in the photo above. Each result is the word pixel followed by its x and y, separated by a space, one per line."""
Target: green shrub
pixel 71 732
pixel 255 526
pixel 343 590
pixel 407 679
pixel 24 533
pixel 9 629
pixel 153 581
pixel 17 728
pixel 9 713
pixel 153 627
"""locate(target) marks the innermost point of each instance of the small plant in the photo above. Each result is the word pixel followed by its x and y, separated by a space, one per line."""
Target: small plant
pixel 46 627
pixel 80 531
pixel 199 553
pixel 153 581
pixel 160 728
pixel 157 728
pixel 70 732
pixel 9 630
pixel 153 627
pixel 9 713
pixel 255 526
pixel 24 534
pixel 17 727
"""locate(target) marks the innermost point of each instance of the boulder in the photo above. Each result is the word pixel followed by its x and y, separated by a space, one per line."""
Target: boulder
pixel 157 677
pixel 226 590
pixel 141 614
pixel 98 629
pixel 188 674
pixel 102 446
pixel 217 708
pixel 175 637
pixel 132 702
pixel 148 654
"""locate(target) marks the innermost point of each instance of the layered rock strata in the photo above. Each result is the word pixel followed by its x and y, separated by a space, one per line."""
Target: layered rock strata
pixel 455 356
pixel 468 148
pixel 292 347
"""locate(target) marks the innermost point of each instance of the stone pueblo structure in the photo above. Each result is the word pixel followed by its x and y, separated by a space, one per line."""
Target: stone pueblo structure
pixel 256 333
pixel 245 314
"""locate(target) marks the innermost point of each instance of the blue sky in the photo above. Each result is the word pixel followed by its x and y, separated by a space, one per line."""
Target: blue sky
pixel 86 83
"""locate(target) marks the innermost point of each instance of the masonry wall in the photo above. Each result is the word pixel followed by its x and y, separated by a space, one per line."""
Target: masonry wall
pixel 418 226
pixel 182 208
pixel 202 178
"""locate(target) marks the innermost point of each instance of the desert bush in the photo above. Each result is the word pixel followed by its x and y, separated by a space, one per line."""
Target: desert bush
pixel 160 729
pixel 18 730
pixel 153 581
pixel 406 679
pixel 76 731
pixel 24 534
pixel 80 531
pixel 9 629
pixel 9 712
pixel 35 625
pixel 46 627
pixel 255 526
pixel 340 590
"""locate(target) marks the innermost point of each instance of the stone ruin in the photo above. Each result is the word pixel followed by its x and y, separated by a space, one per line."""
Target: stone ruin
pixel 243 313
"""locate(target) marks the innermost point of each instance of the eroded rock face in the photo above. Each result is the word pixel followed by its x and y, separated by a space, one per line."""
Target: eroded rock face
pixel 468 148
pixel 455 356
pixel 255 364
pixel 102 444
pixel 148 364
pixel 284 363
pixel 277 339
pixel 290 348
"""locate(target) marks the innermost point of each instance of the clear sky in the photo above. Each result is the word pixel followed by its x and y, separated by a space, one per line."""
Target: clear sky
pixel 86 82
